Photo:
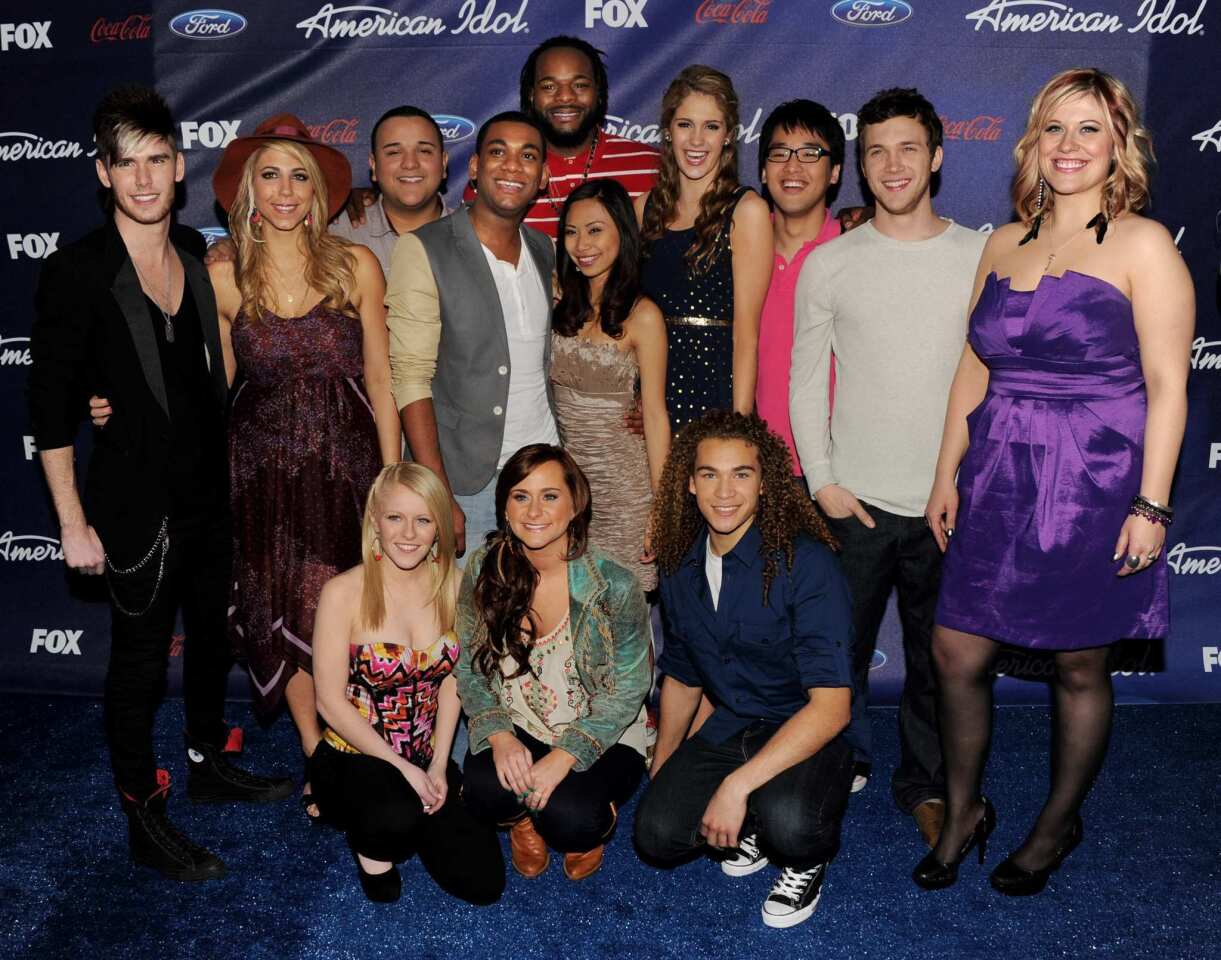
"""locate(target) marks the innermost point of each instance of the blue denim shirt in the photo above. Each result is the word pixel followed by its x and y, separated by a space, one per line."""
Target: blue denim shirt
pixel 756 661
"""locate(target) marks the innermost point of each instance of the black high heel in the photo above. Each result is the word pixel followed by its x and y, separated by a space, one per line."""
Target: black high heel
pixel 1015 881
pixel 379 887
pixel 932 874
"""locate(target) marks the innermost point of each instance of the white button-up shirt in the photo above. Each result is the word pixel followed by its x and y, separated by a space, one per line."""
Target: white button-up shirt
pixel 523 301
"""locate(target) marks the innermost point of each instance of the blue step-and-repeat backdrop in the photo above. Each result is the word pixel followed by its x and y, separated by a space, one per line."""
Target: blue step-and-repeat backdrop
pixel 339 65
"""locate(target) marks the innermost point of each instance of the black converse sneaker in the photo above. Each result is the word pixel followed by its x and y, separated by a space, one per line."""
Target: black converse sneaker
pixel 745 860
pixel 154 840
pixel 211 778
pixel 794 896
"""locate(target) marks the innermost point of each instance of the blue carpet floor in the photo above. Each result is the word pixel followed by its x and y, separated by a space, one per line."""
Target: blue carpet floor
pixel 1145 883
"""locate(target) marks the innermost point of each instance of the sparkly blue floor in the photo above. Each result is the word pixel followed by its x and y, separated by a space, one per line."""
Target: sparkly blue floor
pixel 1145 883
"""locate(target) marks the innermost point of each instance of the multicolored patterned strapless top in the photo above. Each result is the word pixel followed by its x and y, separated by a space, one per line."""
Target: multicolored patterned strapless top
pixel 396 689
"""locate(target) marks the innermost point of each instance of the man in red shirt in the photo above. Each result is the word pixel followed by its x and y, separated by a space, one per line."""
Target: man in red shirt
pixel 564 87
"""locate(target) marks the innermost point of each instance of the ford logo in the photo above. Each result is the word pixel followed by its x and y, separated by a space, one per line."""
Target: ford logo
pixel 878 661
pixel 208 24
pixel 871 13
pixel 454 129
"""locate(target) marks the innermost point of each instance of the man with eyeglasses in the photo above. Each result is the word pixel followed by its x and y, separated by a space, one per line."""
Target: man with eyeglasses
pixel 801 155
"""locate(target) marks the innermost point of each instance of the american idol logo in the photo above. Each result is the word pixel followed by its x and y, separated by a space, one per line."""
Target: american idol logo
pixel 454 129
pixel 1203 358
pixel 878 661
pixel 12 355
pixel 1185 560
pixel 208 24
pixel 212 234
pixel 871 13
pixel 28 547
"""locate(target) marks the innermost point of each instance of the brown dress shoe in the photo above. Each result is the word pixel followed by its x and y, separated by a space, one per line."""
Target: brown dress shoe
pixel 578 866
pixel 529 850
pixel 929 817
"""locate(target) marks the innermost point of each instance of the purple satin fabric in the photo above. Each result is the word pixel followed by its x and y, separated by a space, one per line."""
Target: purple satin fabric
pixel 1054 460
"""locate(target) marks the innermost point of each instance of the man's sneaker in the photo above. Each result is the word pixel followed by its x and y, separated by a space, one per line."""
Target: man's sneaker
pixel 860 776
pixel 747 859
pixel 155 842
pixel 211 778
pixel 794 896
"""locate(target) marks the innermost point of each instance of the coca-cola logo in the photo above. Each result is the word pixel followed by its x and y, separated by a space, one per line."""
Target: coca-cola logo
pixel 871 13
pixel 743 13
pixel 475 17
pixel 1036 16
pixel 137 26
pixel 983 127
pixel 341 130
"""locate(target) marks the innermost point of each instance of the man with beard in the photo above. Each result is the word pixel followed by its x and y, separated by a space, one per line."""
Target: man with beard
pixel 564 87
pixel 128 311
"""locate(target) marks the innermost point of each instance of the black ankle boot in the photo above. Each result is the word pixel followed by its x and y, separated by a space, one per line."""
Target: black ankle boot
pixel 211 778
pixel 155 842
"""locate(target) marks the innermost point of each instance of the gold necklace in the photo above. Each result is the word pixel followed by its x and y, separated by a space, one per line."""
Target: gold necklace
pixel 284 281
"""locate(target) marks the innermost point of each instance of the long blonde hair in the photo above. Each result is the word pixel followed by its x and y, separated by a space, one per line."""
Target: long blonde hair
pixel 1127 188
pixel 329 266
pixel 719 197
pixel 444 569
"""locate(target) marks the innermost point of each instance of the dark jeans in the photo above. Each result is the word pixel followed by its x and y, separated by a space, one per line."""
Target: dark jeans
pixel 196 578
pixel 384 819
pixel 898 553
pixel 797 814
pixel 578 816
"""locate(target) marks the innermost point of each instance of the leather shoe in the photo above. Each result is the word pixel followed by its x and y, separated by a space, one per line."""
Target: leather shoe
pixel 385 887
pixel 1015 881
pixel 929 817
pixel 529 851
pixel 578 866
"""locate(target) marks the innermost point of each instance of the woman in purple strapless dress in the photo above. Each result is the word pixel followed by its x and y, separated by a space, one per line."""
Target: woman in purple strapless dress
pixel 1064 425
pixel 313 419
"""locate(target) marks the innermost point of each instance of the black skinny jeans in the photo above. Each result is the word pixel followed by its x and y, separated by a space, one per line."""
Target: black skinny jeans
pixel 384 819
pixel 797 814
pixel 578 816
pixel 196 578
pixel 899 553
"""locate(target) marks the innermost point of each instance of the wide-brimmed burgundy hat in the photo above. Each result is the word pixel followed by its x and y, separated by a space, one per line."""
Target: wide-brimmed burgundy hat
pixel 283 126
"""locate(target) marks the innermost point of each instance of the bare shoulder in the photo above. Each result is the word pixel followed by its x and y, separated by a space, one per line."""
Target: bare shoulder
pixel 752 210
pixel 366 262
pixel 1005 238
pixel 1140 236
pixel 343 588
pixel 646 315
pixel 223 276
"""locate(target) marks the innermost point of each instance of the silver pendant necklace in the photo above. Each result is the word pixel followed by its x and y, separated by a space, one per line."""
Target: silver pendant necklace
pixel 169 321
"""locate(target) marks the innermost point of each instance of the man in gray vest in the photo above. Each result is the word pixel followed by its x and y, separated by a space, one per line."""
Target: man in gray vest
pixel 469 311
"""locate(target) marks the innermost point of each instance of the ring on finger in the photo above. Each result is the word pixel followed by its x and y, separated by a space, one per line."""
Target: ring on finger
pixel 1133 561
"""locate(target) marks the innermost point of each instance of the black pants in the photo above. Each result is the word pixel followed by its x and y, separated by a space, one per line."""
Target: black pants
pixel 384 819
pixel 797 814
pixel 196 579
pixel 578 816
pixel 898 553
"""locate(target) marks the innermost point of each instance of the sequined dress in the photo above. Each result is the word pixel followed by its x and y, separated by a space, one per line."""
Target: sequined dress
pixel 303 451
pixel 396 689
pixel 698 308
pixel 594 384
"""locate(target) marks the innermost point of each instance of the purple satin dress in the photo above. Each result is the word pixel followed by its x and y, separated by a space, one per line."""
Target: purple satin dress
pixel 1054 460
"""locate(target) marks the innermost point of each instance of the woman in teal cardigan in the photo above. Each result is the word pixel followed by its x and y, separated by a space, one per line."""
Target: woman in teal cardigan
pixel 555 667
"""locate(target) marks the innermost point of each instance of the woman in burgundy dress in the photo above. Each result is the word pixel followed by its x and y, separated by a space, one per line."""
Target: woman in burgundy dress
pixel 1064 425
pixel 313 419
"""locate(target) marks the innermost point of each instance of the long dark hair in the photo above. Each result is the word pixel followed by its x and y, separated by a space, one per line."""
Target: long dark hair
pixel 622 288
pixel 504 590
pixel 721 194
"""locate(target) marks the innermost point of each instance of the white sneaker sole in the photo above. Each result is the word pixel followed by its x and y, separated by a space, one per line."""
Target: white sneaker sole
pixel 733 870
pixel 783 921
pixel 859 783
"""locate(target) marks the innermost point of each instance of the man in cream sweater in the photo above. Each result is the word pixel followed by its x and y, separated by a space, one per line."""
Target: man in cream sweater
pixel 890 300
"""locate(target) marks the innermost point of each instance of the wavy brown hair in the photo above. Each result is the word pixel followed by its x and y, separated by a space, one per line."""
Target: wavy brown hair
pixel 785 510
pixel 330 266
pixel 1127 188
pixel 720 194
pixel 504 590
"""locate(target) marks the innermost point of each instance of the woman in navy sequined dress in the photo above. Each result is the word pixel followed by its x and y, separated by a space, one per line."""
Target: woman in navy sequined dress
pixel 708 259
pixel 313 419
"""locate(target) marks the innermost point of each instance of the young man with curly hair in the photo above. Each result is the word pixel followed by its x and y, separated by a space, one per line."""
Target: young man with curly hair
pixel 759 620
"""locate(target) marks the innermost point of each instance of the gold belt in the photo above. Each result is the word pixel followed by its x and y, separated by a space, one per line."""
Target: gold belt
pixel 699 322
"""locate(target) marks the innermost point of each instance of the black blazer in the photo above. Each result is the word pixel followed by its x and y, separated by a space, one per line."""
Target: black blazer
pixel 92 335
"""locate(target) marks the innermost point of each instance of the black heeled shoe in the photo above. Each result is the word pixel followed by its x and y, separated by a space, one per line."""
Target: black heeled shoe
pixel 379 887
pixel 1015 881
pixel 932 874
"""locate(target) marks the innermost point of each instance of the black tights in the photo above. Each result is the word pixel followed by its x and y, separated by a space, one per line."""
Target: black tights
pixel 1081 722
